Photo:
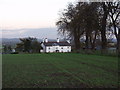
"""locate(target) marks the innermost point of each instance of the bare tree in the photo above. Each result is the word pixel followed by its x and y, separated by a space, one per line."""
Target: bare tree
pixel 114 13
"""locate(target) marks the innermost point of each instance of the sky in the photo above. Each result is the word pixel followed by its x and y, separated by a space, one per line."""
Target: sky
pixel 22 18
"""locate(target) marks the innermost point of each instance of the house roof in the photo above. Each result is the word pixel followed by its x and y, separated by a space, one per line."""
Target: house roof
pixel 57 43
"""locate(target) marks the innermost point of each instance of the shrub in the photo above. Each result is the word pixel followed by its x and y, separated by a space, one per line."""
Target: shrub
pixel 14 52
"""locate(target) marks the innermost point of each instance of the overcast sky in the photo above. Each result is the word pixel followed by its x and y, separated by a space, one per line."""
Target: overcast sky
pixel 18 16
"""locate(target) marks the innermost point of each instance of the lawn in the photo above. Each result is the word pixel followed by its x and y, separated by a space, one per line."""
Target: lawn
pixel 59 70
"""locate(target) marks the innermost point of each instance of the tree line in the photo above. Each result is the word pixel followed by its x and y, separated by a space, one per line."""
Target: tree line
pixel 29 45
pixel 91 21
pixel 26 45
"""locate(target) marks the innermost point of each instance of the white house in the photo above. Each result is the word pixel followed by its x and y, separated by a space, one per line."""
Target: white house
pixel 56 46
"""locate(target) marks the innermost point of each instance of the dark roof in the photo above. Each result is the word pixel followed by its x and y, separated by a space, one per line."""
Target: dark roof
pixel 56 43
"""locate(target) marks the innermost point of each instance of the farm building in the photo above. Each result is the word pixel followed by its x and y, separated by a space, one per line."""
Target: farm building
pixel 56 46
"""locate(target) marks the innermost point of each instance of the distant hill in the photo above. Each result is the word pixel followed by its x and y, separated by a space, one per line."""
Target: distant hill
pixel 12 42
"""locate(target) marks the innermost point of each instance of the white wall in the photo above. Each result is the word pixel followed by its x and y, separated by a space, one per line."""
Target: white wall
pixel 65 49
pixel 49 50
pixel 54 48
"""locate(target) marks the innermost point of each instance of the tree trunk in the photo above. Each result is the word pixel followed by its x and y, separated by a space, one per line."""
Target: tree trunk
pixel 103 29
pixel 76 41
pixel 103 33
pixel 90 42
pixel 103 37
pixel 117 37
pixel 118 43
pixel 87 41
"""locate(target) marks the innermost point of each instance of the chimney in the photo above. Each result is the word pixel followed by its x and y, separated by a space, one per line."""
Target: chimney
pixel 46 40
pixel 58 40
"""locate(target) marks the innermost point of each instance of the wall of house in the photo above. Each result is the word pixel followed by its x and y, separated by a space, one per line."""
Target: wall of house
pixel 58 48
pixel 65 48
pixel 49 49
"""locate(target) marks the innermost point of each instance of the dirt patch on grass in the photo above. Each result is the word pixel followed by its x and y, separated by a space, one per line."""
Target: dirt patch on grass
pixel 83 63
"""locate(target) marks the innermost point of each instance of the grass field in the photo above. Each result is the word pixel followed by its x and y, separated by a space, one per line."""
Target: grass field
pixel 59 70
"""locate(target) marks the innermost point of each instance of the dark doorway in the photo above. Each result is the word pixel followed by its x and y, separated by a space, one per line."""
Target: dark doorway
pixel 57 50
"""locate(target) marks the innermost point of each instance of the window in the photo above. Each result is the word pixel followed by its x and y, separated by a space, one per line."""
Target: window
pixel 49 47
pixel 67 47
pixel 61 47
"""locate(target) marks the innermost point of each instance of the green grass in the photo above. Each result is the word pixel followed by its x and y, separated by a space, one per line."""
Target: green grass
pixel 59 70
